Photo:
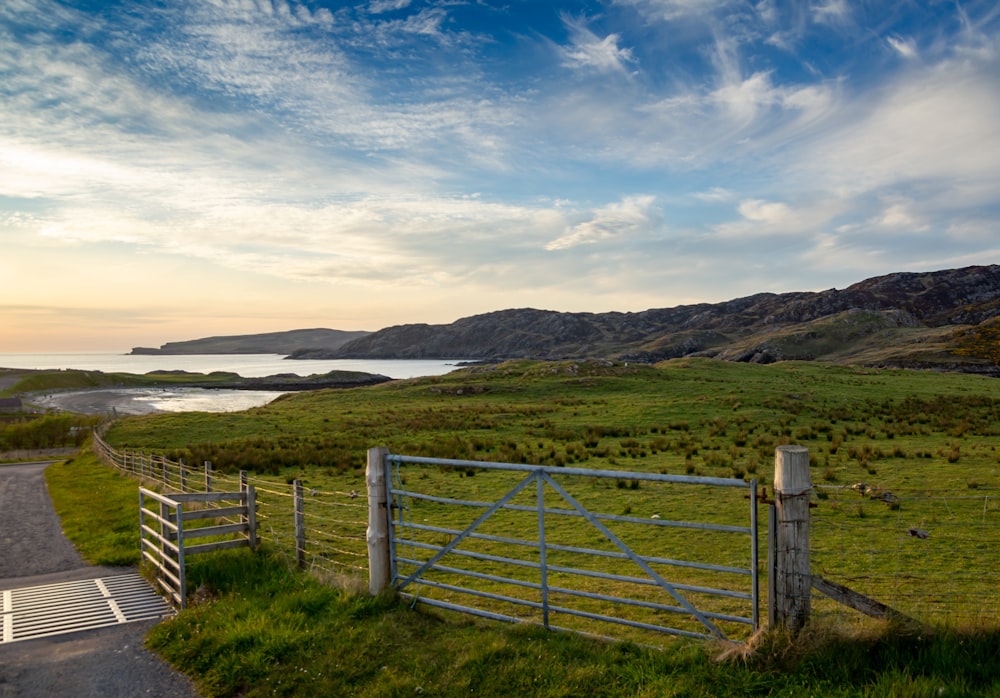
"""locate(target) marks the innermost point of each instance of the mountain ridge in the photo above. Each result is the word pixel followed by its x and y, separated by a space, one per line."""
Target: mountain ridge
pixel 892 320
pixel 948 319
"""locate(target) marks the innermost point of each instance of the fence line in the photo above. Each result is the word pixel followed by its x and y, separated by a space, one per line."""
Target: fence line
pixel 943 551
pixel 334 545
pixel 890 545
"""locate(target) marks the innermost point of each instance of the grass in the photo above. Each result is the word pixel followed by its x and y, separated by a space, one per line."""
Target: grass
pixel 706 416
pixel 921 436
pixel 74 379
pixel 99 509
pixel 263 629
pixel 42 431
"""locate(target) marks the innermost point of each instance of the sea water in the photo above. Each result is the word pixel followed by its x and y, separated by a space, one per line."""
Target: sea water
pixel 181 399
pixel 247 365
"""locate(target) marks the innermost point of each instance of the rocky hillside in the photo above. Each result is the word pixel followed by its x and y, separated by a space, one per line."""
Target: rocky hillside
pixel 267 343
pixel 945 319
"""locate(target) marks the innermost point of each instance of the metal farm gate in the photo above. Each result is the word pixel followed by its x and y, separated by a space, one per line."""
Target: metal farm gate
pixel 576 549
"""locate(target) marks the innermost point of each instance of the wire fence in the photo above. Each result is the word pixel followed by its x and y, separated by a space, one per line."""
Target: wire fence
pixel 933 557
pixel 328 539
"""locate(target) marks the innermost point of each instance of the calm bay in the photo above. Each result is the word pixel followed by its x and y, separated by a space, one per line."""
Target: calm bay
pixel 144 400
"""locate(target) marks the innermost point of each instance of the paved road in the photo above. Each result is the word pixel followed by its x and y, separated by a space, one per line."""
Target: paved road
pixel 105 663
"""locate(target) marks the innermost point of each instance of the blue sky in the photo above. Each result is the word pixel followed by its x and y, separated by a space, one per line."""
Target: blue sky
pixel 186 168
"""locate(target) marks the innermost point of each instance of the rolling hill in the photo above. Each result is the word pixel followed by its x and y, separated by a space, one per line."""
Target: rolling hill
pixel 267 343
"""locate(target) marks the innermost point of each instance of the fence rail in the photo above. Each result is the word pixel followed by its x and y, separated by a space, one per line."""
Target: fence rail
pixel 165 539
pixel 331 542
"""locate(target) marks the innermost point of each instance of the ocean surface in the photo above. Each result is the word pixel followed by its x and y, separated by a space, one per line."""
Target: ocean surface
pixel 147 400
pixel 247 365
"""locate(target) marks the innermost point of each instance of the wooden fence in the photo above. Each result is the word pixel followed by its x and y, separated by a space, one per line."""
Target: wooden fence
pixel 166 539
pixel 320 531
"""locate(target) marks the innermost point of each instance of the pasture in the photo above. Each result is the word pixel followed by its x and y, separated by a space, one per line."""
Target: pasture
pixel 891 452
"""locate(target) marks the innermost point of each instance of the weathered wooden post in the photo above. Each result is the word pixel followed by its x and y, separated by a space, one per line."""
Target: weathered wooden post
pixel 180 472
pixel 251 501
pixel 208 476
pixel 378 521
pixel 790 564
pixel 300 524
pixel 244 484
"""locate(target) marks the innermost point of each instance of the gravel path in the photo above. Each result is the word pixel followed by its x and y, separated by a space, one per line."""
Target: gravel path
pixel 103 663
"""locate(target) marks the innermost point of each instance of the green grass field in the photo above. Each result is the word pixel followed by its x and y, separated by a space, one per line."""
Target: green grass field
pixel 928 439
pixel 259 628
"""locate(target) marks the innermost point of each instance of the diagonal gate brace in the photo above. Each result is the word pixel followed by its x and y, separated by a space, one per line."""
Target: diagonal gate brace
pixel 472 527
pixel 667 586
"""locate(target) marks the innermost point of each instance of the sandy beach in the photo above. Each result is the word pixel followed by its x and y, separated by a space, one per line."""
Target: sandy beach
pixel 133 401
pixel 99 401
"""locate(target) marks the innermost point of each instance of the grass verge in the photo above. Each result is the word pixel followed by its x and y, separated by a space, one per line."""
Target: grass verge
pixel 99 509
pixel 264 630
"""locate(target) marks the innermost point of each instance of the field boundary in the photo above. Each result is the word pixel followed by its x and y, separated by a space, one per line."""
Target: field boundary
pixel 853 529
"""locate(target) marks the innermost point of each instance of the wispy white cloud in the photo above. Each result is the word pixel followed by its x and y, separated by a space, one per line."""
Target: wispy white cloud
pixel 900 214
pixel 831 12
pixel 669 10
pixel 760 218
pixel 715 194
pixel 588 51
pixel 907 48
pixel 634 215
pixel 380 6
pixel 934 124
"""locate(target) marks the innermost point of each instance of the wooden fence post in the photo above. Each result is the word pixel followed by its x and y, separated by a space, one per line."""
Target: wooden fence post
pixel 243 488
pixel 378 521
pixel 180 472
pixel 208 476
pixel 792 575
pixel 300 524
pixel 251 502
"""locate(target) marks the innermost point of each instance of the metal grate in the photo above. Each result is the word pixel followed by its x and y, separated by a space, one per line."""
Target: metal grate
pixel 54 609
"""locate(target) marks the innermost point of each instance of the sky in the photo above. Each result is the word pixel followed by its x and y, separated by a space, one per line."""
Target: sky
pixel 177 169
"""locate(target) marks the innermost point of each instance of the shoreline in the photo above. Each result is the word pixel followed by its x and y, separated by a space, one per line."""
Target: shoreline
pixel 92 401
pixel 142 401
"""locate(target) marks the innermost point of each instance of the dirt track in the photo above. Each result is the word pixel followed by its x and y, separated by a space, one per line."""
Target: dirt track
pixel 103 663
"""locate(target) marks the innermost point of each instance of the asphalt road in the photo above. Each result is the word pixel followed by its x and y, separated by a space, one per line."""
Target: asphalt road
pixel 105 663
